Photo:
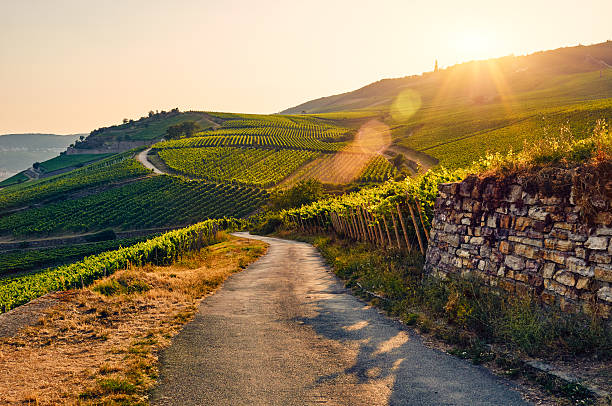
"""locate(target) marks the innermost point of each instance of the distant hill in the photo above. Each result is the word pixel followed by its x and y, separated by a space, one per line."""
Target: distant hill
pixel 470 79
pixel 134 133
pixel 457 114
pixel 20 151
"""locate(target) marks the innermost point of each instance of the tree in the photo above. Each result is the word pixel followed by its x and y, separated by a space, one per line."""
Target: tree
pixel 304 192
pixel 151 113
pixel 125 121
pixel 184 129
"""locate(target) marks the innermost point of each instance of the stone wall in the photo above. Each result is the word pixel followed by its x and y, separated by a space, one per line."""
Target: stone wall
pixel 528 235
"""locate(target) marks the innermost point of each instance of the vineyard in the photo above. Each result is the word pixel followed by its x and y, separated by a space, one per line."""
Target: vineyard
pixel 306 131
pixel 116 168
pixel 232 120
pixel 344 167
pixel 14 180
pixel 160 250
pixel 249 166
pixel 154 202
pixel 25 260
pixel 66 161
pixel 394 214
pixel 276 141
pixel 379 169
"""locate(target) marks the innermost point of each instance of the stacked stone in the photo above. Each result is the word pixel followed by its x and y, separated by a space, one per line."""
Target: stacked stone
pixel 523 242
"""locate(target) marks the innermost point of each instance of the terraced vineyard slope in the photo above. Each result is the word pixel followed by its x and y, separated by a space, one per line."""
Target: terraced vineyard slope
pixel 166 200
pixel 256 150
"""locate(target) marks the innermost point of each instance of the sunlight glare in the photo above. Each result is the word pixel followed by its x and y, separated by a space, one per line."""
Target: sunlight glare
pixel 473 45
pixel 406 104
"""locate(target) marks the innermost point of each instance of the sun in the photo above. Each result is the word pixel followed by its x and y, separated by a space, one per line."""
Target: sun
pixel 473 45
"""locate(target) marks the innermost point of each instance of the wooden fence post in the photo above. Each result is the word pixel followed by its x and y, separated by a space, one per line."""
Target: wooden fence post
pixel 363 229
pixel 382 237
pixel 368 224
pixel 370 227
pixel 355 226
pixel 371 235
pixel 334 222
pixel 401 218
pixel 347 224
pixel 374 228
pixel 387 230
pixel 397 237
pixel 418 205
pixel 416 228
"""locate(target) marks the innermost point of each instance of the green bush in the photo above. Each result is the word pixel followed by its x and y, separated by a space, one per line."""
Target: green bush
pixel 127 283
pixel 305 192
pixel 269 224
pixel 104 235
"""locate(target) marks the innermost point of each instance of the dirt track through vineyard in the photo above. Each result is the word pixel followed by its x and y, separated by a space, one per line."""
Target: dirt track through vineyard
pixel 142 158
pixel 286 332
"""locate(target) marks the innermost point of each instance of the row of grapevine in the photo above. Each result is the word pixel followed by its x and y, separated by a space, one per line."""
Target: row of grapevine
pixel 315 132
pixel 277 141
pixel 103 172
pixel 160 250
pixel 307 122
pixel 378 169
pixel 166 200
pixel 250 166
pixel 343 167
pixel 394 214
pixel 25 260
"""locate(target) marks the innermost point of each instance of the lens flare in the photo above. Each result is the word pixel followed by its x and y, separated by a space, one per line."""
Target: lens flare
pixel 372 138
pixel 346 165
pixel 406 104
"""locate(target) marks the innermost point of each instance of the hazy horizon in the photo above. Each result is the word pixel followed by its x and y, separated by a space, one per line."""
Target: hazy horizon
pixel 71 66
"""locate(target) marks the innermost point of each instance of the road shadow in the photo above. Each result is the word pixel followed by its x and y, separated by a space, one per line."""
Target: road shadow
pixel 389 352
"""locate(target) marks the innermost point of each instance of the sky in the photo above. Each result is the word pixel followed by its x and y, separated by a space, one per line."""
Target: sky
pixel 70 66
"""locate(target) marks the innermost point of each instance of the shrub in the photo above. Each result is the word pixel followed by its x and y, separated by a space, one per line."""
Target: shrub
pixel 104 235
pixel 558 149
pixel 304 192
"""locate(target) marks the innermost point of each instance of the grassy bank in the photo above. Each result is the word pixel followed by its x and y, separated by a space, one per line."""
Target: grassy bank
pixel 100 345
pixel 461 311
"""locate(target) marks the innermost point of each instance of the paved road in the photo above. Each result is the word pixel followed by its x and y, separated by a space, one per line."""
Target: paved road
pixel 286 332
pixel 142 157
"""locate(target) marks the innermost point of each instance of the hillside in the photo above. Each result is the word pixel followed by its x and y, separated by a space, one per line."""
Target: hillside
pixel 136 210
pixel 228 164
pixel 134 133
pixel 18 151
pixel 478 106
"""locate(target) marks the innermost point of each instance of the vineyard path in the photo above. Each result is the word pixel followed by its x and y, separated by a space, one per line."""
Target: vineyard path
pixel 142 158
pixel 286 332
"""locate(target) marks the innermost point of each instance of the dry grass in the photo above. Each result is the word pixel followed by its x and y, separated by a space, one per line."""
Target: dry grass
pixel 95 348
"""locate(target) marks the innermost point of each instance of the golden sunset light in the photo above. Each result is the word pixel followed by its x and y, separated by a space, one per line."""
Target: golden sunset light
pixel 339 202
